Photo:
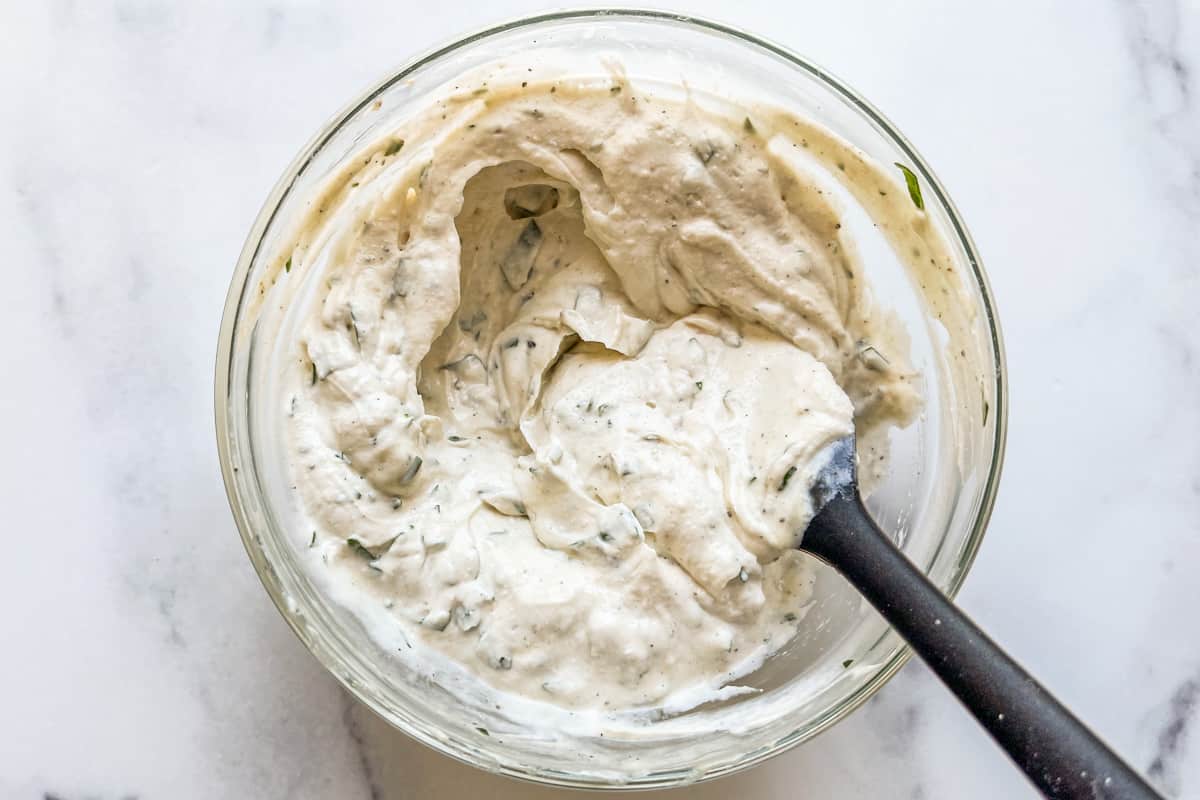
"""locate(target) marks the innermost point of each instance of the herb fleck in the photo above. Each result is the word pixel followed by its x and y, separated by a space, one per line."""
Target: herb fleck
pixel 394 147
pixel 313 541
pixel 846 664
pixel 787 476
pixel 359 549
pixel 747 125
pixel 414 466
pixel 287 266
pixel 517 262
pixel 914 187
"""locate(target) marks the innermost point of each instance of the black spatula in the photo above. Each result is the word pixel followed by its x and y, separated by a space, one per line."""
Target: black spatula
pixel 1059 754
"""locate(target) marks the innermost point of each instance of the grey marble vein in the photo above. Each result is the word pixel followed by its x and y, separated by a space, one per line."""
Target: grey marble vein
pixel 1173 738
pixel 40 226
pixel 355 732
pixel 1164 45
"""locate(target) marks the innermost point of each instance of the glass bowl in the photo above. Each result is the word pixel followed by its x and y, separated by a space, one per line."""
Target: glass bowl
pixel 935 499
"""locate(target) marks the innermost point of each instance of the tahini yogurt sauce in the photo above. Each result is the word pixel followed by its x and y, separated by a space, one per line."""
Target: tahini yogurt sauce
pixel 566 357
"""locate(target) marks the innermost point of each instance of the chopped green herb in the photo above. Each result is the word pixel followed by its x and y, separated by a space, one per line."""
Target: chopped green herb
pixel 455 438
pixel 914 187
pixel 747 125
pixel 359 549
pixel 353 327
pixel 986 409
pixel 414 466
pixel 847 663
pixel 314 374
pixel 394 147
pixel 484 731
pixel 287 266
pixel 789 617
pixel 787 476
pixel 699 385
pixel 517 262
pixel 313 542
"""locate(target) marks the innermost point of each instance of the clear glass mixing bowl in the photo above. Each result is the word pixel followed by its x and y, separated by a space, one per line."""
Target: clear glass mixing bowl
pixel 935 500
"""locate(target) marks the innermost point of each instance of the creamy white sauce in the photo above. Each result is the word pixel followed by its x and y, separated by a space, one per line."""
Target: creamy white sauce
pixel 567 354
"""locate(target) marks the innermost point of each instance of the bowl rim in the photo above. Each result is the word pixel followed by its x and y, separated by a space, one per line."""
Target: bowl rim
pixel 238 294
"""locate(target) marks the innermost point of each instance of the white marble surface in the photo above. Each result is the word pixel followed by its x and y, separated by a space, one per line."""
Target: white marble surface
pixel 142 658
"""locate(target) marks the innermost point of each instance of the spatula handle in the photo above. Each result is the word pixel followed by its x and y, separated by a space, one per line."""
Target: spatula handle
pixel 1059 754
